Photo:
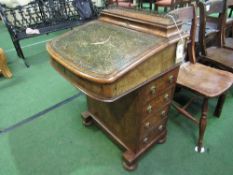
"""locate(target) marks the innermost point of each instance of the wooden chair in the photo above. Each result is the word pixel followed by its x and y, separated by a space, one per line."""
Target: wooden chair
pixel 4 70
pixel 206 82
pixel 217 55
pixel 171 4
pixel 228 42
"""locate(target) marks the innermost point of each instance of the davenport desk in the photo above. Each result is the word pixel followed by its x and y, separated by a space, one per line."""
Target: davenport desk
pixel 125 63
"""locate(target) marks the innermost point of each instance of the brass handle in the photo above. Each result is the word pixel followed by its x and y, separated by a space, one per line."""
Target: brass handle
pixel 145 140
pixel 152 90
pixel 166 97
pixel 147 125
pixel 163 113
pixel 171 79
pixel 160 127
pixel 149 109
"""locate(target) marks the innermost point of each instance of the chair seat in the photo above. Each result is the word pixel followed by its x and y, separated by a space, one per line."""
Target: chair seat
pixel 205 80
pixel 169 2
pixel 222 56
pixel 164 2
pixel 229 43
pixel 126 4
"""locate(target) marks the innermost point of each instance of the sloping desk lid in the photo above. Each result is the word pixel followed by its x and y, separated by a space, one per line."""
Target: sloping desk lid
pixel 102 52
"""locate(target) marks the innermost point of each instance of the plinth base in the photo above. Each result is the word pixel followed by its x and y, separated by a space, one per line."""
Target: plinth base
pixel 130 158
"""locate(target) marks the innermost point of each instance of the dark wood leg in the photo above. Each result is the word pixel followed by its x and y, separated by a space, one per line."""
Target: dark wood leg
pixel 219 106
pixel 129 161
pixel 87 119
pixel 156 8
pixel 139 4
pixel 165 9
pixel 230 13
pixel 150 5
pixel 202 125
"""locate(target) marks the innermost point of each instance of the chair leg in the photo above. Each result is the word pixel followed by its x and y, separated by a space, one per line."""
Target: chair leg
pixel 18 49
pixel 202 125
pixel 150 5
pixel 230 13
pixel 219 106
pixel 140 4
pixel 20 52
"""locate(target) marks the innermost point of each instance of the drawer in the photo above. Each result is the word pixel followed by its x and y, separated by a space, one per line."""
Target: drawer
pixel 149 123
pixel 158 86
pixel 157 103
pixel 155 131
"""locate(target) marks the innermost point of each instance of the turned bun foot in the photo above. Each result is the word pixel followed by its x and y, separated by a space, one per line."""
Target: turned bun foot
pixel 161 141
pixel 130 167
pixel 129 161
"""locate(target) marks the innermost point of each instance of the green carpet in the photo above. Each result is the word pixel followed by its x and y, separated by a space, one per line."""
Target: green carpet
pixel 31 89
pixel 57 143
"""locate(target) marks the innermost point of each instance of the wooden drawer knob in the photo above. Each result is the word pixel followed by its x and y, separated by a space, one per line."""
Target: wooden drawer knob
pixel 145 140
pixel 149 109
pixel 166 97
pixel 160 127
pixel 163 113
pixel 153 89
pixel 171 79
pixel 147 125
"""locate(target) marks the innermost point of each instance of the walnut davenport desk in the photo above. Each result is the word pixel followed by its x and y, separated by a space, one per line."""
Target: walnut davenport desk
pixel 125 63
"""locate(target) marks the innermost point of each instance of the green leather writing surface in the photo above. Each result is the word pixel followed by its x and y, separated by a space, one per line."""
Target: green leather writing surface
pixel 102 48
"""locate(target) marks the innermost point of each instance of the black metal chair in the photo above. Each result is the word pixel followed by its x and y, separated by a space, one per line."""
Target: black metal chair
pixel 45 15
